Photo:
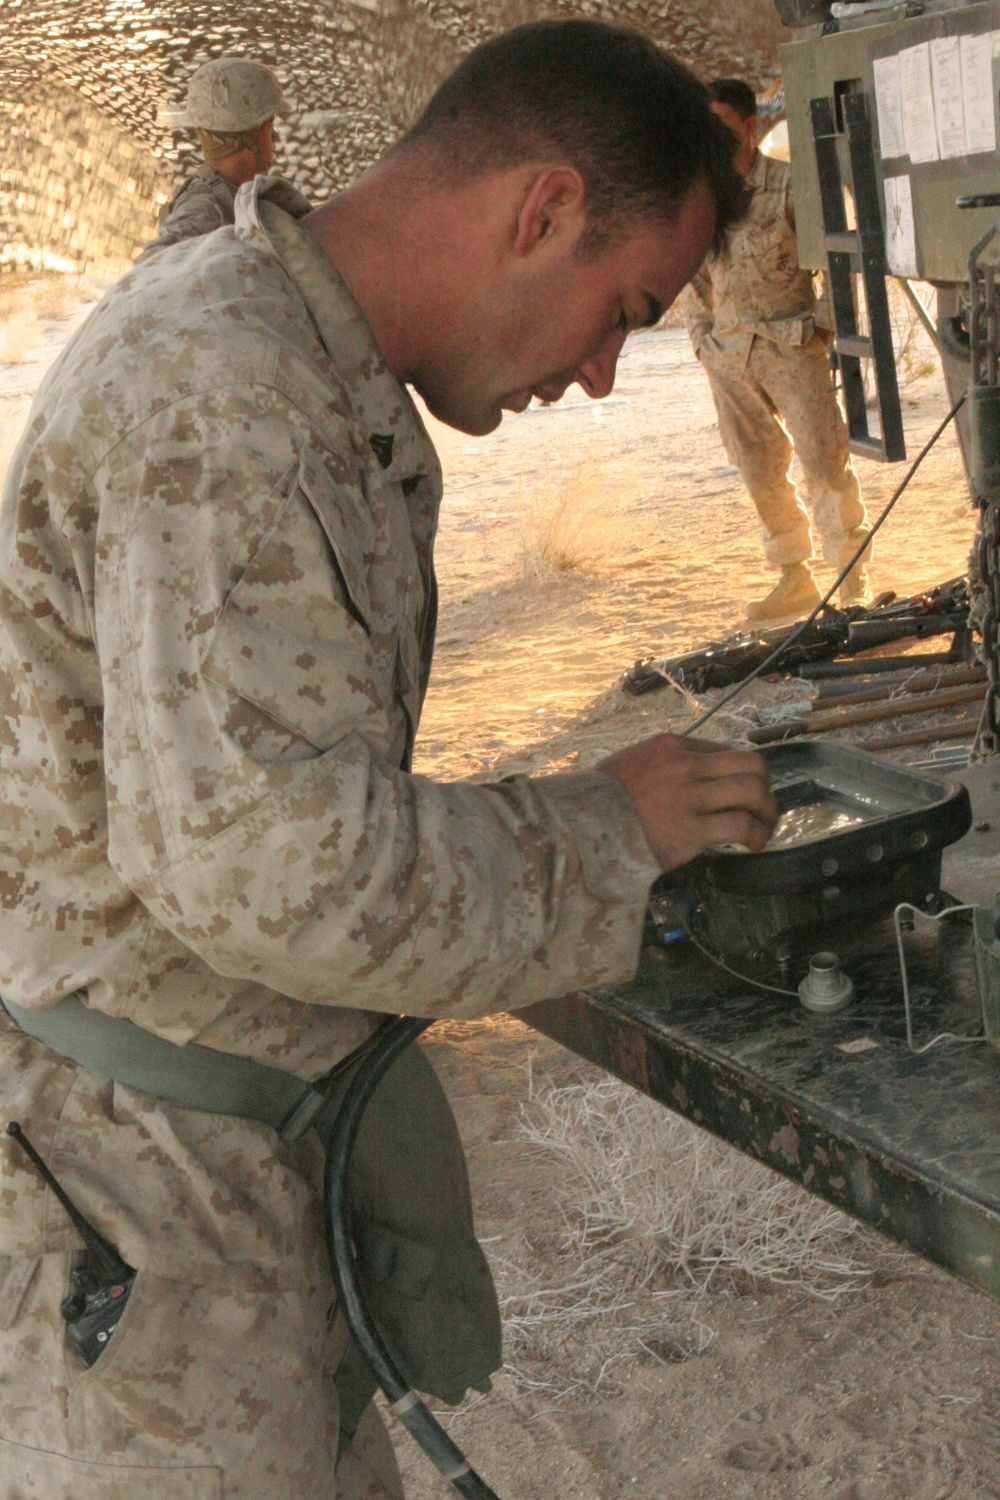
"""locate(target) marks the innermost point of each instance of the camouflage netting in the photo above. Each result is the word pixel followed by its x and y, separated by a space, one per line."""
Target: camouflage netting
pixel 84 167
pixel 75 190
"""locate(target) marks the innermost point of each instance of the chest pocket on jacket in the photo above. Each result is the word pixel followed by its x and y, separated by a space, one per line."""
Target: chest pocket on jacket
pixel 294 640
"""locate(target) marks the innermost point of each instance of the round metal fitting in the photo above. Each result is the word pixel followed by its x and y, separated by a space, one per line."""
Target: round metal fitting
pixel 826 988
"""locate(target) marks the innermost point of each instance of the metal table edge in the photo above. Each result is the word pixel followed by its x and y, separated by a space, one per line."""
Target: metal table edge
pixel 847 1166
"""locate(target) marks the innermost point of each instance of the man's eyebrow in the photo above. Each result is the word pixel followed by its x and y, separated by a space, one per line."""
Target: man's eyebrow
pixel 654 311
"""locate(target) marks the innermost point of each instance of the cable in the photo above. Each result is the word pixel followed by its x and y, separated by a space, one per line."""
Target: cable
pixel 449 1459
pixel 944 1036
pixel 980 729
pixel 713 958
pixel 773 989
pixel 800 630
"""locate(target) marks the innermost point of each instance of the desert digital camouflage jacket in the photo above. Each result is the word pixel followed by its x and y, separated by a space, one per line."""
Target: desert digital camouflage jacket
pixel 204 202
pixel 756 286
pixel 207 201
pixel 217 605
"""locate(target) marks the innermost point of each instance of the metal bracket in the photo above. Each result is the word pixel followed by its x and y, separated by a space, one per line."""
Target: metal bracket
pixel 866 242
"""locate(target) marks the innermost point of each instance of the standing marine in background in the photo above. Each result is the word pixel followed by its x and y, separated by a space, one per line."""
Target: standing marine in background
pixel 231 105
pixel 751 315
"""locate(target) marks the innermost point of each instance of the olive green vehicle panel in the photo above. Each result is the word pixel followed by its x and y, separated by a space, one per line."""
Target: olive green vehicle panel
pixel 817 65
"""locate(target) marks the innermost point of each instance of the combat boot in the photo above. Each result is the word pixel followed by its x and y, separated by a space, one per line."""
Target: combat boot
pixel 856 588
pixel 795 593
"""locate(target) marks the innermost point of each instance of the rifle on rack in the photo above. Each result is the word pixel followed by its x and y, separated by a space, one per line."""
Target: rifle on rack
pixel 943 610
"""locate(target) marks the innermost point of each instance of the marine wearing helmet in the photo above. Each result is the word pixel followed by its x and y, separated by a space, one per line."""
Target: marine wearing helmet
pixel 231 106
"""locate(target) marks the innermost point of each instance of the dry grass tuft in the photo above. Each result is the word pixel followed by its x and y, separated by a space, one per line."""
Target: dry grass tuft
pixel 20 331
pixel 916 358
pixel 57 297
pixel 653 1217
pixel 570 525
pixel 27 303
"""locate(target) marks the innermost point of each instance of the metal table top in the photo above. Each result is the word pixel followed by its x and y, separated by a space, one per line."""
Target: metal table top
pixel 910 1145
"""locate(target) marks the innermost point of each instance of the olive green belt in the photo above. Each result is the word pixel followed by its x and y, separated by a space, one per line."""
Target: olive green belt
pixel 192 1076
pixel 409 1189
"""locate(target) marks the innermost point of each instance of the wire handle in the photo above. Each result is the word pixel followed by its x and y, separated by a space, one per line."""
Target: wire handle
pixel 447 1457
pixel 926 916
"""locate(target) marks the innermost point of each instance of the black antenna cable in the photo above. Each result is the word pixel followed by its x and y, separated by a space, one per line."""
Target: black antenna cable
pixel 422 1425
pixel 800 629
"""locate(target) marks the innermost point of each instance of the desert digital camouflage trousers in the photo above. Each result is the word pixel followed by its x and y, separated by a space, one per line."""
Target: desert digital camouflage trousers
pixel 213 1370
pixel 218 1382
pixel 212 1373
pixel 783 396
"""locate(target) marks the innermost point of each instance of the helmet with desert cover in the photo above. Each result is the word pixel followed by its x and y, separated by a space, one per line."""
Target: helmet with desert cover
pixel 226 96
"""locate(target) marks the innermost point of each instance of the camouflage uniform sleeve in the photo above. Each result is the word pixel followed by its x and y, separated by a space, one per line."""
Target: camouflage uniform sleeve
pixel 822 310
pixel 256 805
pixel 699 309
pixel 199 207
pixel 789 204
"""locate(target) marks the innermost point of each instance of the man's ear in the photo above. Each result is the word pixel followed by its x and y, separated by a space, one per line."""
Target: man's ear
pixel 552 208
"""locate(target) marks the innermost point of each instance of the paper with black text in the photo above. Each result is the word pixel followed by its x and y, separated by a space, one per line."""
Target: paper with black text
pixel 918 103
pixel 889 107
pixel 977 92
pixel 949 114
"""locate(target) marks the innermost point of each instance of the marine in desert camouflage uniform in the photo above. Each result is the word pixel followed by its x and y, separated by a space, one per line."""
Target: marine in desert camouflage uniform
pixel 751 314
pixel 231 103
pixel 217 609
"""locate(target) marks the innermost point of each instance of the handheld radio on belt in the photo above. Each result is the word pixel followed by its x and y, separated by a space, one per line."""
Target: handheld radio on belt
pixel 101 1282
pixel 197 1077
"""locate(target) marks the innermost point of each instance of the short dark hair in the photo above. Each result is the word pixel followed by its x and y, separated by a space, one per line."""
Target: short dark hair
pixel 737 94
pixel 633 120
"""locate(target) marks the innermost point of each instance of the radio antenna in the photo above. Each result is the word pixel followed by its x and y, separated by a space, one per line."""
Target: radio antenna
pixel 103 1252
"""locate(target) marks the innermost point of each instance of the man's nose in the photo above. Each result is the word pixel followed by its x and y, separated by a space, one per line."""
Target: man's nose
pixel 597 374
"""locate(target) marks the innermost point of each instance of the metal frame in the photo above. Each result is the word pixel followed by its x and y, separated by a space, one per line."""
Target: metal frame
pixel 866 244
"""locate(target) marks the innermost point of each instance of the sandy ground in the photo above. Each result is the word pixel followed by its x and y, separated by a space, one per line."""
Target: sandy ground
pixel 888 1392
pixel 574 540
pixel 38 315
pixel 584 535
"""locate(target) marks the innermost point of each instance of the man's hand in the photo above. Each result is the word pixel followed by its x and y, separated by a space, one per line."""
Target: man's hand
pixel 692 795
